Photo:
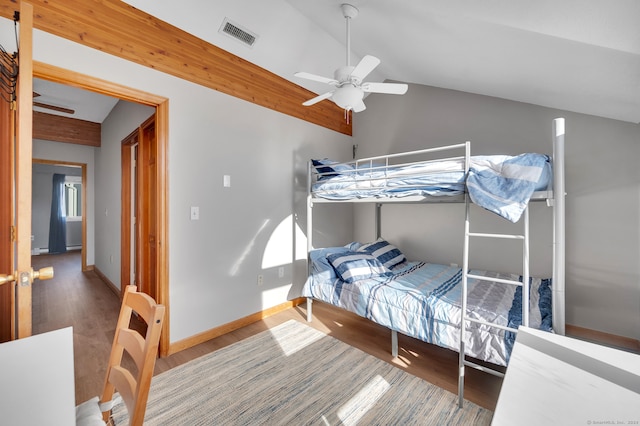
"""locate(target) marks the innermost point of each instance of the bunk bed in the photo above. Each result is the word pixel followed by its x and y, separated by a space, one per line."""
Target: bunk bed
pixel 429 301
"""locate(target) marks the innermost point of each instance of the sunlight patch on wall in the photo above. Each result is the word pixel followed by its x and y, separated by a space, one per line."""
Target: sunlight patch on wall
pixel 281 246
pixel 245 253
pixel 275 296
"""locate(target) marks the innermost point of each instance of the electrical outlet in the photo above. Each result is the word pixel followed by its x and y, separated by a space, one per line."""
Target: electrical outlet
pixel 260 280
pixel 281 272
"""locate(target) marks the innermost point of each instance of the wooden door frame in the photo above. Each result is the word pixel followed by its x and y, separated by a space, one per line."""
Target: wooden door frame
pixel 83 166
pixel 161 105
pixel 125 221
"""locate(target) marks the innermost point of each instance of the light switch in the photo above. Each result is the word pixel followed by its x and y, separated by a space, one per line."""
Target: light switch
pixel 226 181
pixel 195 213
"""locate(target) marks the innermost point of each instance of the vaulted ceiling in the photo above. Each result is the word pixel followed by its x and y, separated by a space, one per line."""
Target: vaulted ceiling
pixel 576 55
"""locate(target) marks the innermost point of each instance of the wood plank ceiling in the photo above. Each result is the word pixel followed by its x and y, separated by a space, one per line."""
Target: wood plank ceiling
pixel 119 29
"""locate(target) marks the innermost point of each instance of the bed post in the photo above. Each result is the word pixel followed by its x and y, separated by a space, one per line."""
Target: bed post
pixel 558 283
pixel 309 235
pixel 378 220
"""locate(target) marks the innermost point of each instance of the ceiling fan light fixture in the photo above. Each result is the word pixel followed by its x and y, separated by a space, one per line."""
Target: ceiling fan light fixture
pixel 348 80
pixel 347 96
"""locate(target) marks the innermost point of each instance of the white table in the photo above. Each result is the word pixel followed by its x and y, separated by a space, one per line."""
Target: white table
pixel 557 380
pixel 36 380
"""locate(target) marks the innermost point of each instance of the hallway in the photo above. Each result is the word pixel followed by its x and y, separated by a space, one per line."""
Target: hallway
pixel 83 301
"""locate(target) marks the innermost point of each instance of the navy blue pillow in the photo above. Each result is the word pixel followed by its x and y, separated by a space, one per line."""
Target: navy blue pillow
pixel 388 254
pixel 328 168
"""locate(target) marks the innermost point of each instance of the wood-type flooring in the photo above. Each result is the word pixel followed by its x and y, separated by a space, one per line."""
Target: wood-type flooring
pixel 82 300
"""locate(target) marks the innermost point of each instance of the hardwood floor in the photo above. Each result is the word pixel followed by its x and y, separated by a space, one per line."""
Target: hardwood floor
pixel 82 300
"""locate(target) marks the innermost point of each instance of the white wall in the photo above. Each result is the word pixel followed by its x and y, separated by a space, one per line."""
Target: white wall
pixel 602 183
pixel 255 227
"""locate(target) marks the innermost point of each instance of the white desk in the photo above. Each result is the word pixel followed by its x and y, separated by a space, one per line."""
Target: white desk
pixel 36 380
pixel 557 380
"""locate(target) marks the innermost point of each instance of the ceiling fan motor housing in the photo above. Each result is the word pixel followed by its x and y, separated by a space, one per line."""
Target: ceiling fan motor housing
pixel 343 75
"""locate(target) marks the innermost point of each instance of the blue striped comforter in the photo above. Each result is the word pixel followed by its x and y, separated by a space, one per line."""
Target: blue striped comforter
pixel 422 300
pixel 499 183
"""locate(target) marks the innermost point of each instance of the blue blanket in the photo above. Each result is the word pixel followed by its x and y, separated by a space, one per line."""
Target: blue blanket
pixel 504 185
pixel 499 183
pixel 422 300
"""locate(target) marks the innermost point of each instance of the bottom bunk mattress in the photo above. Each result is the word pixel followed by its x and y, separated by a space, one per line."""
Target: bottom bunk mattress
pixel 423 300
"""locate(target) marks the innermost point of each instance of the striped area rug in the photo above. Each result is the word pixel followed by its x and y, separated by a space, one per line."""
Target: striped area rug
pixel 295 375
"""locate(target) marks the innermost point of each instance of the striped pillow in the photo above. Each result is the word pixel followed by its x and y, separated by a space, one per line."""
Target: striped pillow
pixel 353 266
pixel 389 255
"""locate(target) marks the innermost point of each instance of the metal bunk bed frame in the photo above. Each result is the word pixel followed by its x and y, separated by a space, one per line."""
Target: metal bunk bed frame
pixel 555 198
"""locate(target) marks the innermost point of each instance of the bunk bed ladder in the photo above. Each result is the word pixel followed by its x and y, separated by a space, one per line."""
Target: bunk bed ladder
pixel 465 319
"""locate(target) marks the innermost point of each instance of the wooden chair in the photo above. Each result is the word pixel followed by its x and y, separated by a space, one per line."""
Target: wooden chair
pixel 133 386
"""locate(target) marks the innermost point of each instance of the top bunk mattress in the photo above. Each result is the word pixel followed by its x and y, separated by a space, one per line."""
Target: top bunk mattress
pixel 501 184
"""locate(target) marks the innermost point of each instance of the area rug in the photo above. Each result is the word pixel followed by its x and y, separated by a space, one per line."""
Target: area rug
pixel 293 374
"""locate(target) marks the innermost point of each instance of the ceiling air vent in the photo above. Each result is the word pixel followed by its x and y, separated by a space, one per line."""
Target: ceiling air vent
pixel 234 30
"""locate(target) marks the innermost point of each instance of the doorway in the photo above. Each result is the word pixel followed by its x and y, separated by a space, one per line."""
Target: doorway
pixel 139 198
pixel 160 254
pixel 76 223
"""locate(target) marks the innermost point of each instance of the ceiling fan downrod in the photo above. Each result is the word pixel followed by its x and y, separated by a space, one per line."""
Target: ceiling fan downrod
pixel 349 12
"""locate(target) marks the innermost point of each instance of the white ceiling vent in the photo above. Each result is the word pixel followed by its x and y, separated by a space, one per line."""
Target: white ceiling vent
pixel 237 32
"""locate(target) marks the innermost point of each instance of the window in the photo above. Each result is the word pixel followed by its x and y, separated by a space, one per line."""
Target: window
pixel 73 198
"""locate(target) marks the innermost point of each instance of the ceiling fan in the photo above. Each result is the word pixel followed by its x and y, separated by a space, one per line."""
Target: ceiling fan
pixel 51 107
pixel 348 80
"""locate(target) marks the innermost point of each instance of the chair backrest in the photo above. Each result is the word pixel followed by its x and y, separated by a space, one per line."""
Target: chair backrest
pixel 133 385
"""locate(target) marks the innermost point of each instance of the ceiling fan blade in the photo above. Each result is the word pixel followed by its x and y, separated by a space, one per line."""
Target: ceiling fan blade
pixel 53 107
pixel 390 88
pixel 364 67
pixel 314 77
pixel 318 99
pixel 359 107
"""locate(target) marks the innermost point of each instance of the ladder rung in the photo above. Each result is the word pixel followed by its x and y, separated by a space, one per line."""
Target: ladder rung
pixel 483 368
pixel 505 236
pixel 490 324
pixel 498 280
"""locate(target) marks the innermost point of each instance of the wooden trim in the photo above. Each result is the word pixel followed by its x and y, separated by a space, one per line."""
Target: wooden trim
pixel 60 75
pixel 162 232
pixel 125 210
pixel 114 27
pixel 83 166
pixel 232 326
pixel 24 150
pixel 94 84
pixel 603 338
pixel 107 282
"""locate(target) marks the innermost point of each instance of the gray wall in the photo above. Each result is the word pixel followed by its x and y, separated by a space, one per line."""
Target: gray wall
pixel 123 119
pixel 255 227
pixel 258 225
pixel 602 185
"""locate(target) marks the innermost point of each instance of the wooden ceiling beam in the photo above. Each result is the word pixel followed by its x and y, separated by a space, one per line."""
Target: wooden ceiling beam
pixel 114 27
pixel 57 128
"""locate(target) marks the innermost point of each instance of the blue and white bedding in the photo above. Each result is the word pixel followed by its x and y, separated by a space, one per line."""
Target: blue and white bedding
pixel 499 183
pixel 423 300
